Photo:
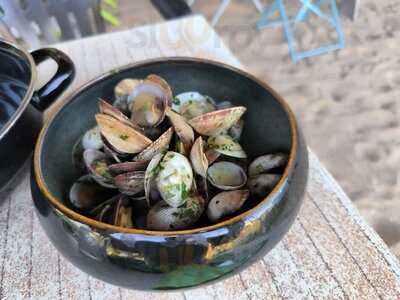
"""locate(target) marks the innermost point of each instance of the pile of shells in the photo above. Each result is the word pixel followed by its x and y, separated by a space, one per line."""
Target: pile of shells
pixel 160 162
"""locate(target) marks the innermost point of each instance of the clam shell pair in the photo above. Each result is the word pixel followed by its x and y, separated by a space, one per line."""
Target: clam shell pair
pixel 262 173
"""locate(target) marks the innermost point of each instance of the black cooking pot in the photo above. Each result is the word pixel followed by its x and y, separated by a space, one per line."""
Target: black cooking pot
pixel 21 105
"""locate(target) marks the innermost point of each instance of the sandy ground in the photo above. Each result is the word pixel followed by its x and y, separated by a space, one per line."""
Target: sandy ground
pixel 347 102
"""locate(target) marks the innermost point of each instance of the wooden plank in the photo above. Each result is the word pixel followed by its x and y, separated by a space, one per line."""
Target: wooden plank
pixel 16 280
pixel 316 272
pixel 343 266
pixel 45 266
pixel 290 283
pixel 259 283
pixel 371 261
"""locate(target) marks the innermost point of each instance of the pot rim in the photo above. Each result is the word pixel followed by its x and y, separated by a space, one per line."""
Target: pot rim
pixel 57 203
pixel 30 90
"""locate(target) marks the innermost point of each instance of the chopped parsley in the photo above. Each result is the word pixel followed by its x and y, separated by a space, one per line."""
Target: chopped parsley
pixel 176 101
pixel 123 137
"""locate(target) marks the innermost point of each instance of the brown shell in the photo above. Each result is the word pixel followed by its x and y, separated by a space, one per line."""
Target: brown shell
pixel 198 158
pixel 107 109
pixel 129 166
pixel 226 203
pixel 182 129
pixel 122 137
pixel 218 121
pixel 158 146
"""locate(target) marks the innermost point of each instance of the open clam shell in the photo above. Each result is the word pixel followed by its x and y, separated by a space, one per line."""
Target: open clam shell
pixel 129 166
pixel 164 217
pixel 148 101
pixel 86 194
pixel 268 162
pixel 121 137
pixel 103 211
pixel 226 175
pixel 108 109
pixel 122 215
pixel 175 178
pixel 92 139
pixel 164 84
pixel 198 158
pixel 182 129
pixel 225 144
pixel 192 104
pixel 97 164
pixel 122 91
pixel 226 203
pixel 131 183
pixel 216 122
pixel 212 155
pixel 151 172
pixel 262 184
pixel 158 146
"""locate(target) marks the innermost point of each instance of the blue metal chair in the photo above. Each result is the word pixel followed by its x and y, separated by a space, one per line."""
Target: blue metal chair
pixel 288 22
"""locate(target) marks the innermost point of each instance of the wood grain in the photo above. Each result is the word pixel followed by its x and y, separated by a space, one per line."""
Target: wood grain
pixel 329 253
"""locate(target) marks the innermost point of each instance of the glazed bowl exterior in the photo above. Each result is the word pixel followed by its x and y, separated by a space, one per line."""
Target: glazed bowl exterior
pixel 157 260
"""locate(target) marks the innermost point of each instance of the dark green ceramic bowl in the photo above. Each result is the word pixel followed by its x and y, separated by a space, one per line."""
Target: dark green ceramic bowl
pixel 149 260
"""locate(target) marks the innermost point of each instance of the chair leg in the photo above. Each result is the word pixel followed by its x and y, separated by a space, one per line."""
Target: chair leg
pixel 264 21
pixel 220 11
pixel 349 8
pixel 258 5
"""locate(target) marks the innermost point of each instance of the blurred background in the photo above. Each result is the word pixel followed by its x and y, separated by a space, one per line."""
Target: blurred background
pixel 347 101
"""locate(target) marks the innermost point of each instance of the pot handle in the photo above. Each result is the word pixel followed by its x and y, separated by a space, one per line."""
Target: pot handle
pixel 47 94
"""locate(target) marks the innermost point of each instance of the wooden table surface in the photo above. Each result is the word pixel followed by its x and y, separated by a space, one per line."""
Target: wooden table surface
pixel 329 253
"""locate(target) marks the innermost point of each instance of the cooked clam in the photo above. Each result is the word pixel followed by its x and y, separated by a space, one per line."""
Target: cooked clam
pixel 226 203
pixel 262 184
pixel 122 91
pixel 121 137
pixel 164 217
pixel 164 84
pixel 225 144
pixel 122 215
pixel 97 164
pixel 212 155
pixel 192 104
pixel 151 172
pixel 266 163
pixel 158 146
pixel 108 109
pixel 198 158
pixel 226 175
pixel 86 194
pixel 148 101
pixel 129 166
pixel 131 183
pixel 216 122
pixel 92 139
pixel 182 129
pixel 174 180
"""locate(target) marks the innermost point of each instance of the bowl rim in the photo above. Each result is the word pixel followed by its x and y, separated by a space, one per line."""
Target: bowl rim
pixel 57 203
